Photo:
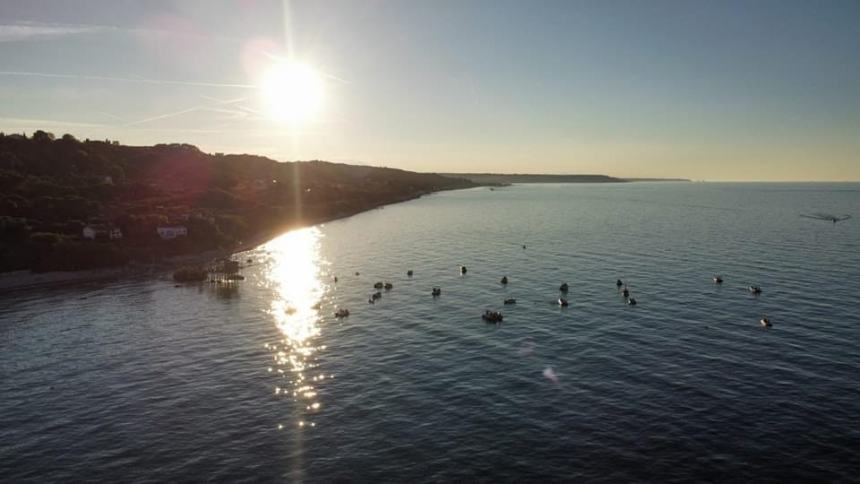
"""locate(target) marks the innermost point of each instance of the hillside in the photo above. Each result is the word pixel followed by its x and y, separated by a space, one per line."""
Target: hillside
pixel 133 199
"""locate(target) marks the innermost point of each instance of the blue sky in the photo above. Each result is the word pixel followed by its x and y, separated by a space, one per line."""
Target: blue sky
pixel 758 90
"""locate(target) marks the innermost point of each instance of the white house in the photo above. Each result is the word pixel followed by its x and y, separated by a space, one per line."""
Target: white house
pixel 172 231
pixel 97 231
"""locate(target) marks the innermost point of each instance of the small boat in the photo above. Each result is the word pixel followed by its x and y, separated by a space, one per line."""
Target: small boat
pixel 563 302
pixel 755 289
pixel 492 316
pixel 510 301
pixel 564 287
pixel 376 295
pixel 618 283
pixel 625 292
pixel 378 285
pixel 341 313
pixel 463 269
pixel 437 291
pixel 357 273
pixel 765 321
pixel 335 279
pixel 718 279
pixel 388 286
pixel 631 301
pixel 409 273
pixel 504 279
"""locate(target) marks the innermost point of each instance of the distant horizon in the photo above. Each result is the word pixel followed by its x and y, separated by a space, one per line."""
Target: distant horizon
pixel 734 90
pixel 505 173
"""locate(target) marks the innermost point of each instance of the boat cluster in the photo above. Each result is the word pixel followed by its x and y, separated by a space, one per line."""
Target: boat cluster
pixel 496 317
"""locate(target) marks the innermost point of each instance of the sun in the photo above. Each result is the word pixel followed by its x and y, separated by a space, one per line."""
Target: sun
pixel 292 92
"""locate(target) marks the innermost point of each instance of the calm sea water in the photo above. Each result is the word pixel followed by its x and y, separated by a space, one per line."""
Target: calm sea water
pixel 140 381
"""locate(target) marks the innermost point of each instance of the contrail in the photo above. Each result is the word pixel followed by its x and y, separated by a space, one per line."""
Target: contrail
pixel 222 101
pixel 164 116
pixel 239 112
pixel 140 80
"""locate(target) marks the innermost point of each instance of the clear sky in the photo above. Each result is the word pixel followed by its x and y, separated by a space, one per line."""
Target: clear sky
pixel 716 90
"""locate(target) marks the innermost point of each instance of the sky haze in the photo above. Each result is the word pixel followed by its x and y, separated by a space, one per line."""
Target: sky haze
pixel 758 90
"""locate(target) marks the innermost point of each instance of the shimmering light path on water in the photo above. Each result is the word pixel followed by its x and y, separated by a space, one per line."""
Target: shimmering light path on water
pixel 137 380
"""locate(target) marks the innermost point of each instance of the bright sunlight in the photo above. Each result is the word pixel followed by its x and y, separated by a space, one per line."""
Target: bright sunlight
pixel 292 92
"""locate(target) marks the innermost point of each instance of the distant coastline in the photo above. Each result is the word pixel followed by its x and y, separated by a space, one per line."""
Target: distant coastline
pixel 506 179
pixel 683 180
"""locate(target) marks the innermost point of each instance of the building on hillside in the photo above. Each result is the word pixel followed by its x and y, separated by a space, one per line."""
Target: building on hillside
pixel 172 231
pixel 102 231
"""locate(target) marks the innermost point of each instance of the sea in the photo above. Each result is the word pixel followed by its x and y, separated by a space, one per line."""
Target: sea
pixel 142 380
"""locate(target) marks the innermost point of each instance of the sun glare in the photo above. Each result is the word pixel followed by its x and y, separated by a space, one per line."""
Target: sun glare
pixel 292 92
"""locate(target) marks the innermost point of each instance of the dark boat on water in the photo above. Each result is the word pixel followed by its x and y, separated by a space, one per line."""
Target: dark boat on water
pixel 492 316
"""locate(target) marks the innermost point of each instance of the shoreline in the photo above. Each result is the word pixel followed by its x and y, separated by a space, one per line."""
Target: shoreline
pixel 19 281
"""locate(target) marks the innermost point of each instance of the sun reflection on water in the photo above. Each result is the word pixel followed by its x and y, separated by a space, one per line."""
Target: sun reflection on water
pixel 294 275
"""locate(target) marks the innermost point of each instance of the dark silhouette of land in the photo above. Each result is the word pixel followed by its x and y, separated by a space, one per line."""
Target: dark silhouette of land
pixel 505 179
pixel 67 204
pixel 658 180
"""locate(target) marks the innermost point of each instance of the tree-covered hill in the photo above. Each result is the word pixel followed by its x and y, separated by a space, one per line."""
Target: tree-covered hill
pixel 50 189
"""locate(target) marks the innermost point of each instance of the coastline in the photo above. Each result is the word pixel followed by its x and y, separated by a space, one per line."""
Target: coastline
pixel 18 281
